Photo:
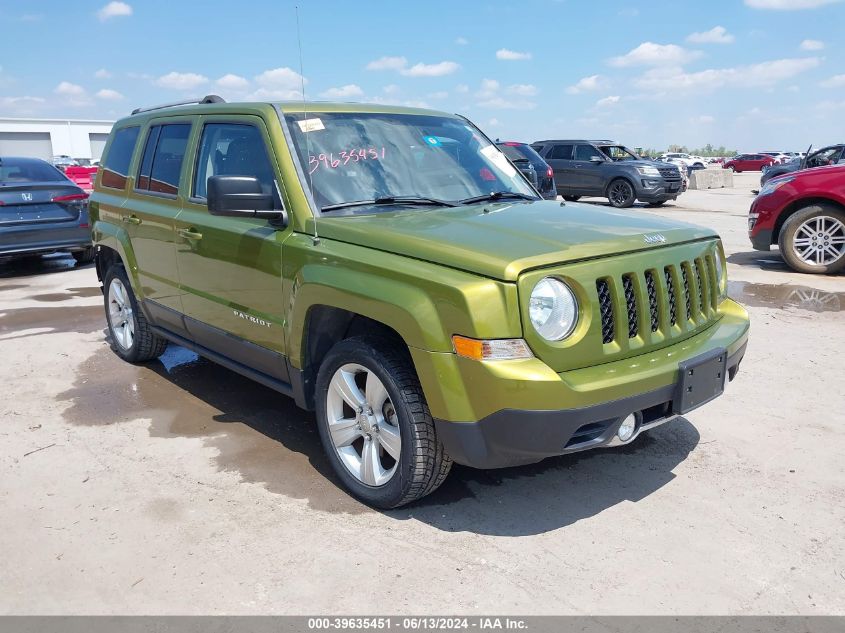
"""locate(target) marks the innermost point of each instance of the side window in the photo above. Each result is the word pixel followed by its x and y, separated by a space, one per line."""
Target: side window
pixel 586 152
pixel 232 149
pixel 143 180
pixel 116 163
pixel 563 152
pixel 168 157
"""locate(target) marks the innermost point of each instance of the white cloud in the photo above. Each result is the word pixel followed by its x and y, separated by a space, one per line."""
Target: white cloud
pixel 608 101
pixel 388 63
pixel 837 81
pixel 113 10
pixel 181 81
pixel 344 92
pixel 675 80
pixel 462 88
pixel 523 90
pixel 109 95
pixel 21 104
pixel 489 87
pixel 231 81
pixel 390 89
pixel 430 70
pixel 494 122
pixel 103 74
pixel 716 35
pixel 703 119
pixel 587 84
pixel 68 89
pixel 511 56
pixel 651 54
pixel 278 84
pixel 788 5
pixel 439 95
pixel 461 41
pixel 812 45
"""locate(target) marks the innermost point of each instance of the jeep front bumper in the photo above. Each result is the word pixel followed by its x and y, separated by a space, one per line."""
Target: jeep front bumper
pixel 508 413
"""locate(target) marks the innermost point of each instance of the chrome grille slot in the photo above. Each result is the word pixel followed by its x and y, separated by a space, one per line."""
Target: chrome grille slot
pixel 631 303
pixel 606 309
pixel 651 287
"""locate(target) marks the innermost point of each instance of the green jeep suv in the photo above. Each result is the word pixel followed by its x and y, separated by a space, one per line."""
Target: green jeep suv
pixel 391 270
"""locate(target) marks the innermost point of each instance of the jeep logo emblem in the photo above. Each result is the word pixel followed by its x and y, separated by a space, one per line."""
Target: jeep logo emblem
pixel 655 238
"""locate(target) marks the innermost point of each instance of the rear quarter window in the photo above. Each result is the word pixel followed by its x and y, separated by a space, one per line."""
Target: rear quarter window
pixel 116 162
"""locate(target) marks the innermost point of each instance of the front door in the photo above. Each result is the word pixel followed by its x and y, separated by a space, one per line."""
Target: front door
pixel 230 268
pixel 589 177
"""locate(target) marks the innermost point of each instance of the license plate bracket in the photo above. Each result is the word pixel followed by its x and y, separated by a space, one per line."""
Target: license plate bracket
pixel 702 379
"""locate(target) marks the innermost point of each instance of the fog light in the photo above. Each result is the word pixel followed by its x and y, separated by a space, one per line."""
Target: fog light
pixel 627 428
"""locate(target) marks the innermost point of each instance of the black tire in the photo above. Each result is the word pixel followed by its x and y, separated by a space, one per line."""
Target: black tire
pixel 84 257
pixel 659 203
pixel 787 235
pixel 145 345
pixel 621 194
pixel 572 198
pixel 423 463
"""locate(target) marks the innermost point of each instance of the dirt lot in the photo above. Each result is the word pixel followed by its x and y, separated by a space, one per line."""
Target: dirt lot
pixel 180 487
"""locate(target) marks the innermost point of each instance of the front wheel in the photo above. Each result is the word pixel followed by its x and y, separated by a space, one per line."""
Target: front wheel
pixel 812 240
pixel 621 194
pixel 375 425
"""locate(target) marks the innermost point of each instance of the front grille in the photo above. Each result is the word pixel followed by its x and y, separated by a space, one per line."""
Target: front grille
pixel 606 309
pixel 670 173
pixel 631 304
pixel 651 287
pixel 652 299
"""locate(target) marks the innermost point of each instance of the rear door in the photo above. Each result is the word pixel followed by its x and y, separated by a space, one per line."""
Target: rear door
pixel 559 158
pixel 150 214
pixel 229 267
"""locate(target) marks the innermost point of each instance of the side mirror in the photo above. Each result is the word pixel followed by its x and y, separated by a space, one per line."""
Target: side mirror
pixel 596 160
pixel 241 196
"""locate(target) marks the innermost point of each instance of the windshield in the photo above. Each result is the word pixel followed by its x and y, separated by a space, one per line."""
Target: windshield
pixel 618 152
pixel 352 157
pixel 24 171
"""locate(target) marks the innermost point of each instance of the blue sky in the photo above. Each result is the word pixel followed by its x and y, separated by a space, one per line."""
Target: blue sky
pixel 747 74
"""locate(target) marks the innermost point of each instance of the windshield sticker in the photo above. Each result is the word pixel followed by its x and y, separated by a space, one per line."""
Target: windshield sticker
pixel 346 157
pixel 432 140
pixel 311 125
pixel 495 156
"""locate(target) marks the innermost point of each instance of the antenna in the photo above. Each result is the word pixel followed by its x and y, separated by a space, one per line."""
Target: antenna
pixel 316 239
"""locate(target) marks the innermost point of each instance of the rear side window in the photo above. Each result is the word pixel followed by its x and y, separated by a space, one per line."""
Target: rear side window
pixel 232 149
pixel 116 163
pixel 164 154
pixel 563 152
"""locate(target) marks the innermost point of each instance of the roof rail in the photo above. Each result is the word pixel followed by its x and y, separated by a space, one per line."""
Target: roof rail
pixel 204 100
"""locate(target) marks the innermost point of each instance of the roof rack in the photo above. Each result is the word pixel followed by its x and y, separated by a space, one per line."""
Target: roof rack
pixel 204 100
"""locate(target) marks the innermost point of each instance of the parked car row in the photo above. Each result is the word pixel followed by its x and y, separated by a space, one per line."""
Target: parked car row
pixel 830 155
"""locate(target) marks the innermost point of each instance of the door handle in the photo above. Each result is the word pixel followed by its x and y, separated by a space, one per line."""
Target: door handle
pixel 131 219
pixel 188 234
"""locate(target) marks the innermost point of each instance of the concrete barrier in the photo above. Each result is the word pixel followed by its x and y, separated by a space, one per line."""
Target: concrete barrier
pixel 711 179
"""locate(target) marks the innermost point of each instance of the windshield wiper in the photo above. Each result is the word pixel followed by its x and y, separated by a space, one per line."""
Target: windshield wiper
pixel 412 200
pixel 498 195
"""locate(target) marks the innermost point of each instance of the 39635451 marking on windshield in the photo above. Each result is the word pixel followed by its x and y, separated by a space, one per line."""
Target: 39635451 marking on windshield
pixel 345 157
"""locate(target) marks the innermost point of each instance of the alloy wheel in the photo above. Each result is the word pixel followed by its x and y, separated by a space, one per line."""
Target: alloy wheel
pixel 363 425
pixel 820 240
pixel 620 192
pixel 121 317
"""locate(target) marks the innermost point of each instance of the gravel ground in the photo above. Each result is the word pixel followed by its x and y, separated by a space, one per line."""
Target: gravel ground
pixel 182 488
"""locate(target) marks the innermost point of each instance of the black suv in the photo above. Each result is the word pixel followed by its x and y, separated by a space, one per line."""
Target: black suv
pixel 531 164
pixel 608 170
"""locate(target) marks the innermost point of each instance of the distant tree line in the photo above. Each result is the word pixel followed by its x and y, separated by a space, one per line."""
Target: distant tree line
pixel 707 150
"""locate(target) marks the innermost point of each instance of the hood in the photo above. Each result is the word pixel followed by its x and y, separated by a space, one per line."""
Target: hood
pixel 509 238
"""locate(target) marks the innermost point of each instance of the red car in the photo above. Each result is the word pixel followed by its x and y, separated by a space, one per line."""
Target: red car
pixel 82 177
pixel 749 162
pixel 804 214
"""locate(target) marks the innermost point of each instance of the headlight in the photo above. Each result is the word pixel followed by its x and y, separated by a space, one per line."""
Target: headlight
pixel 553 309
pixel 774 184
pixel 649 171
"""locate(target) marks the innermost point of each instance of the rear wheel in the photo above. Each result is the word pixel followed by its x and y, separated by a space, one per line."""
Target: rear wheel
pixel 572 198
pixel 812 240
pixel 375 425
pixel 132 337
pixel 84 257
pixel 621 193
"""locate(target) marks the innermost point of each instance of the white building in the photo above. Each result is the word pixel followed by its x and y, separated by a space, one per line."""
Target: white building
pixel 45 138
